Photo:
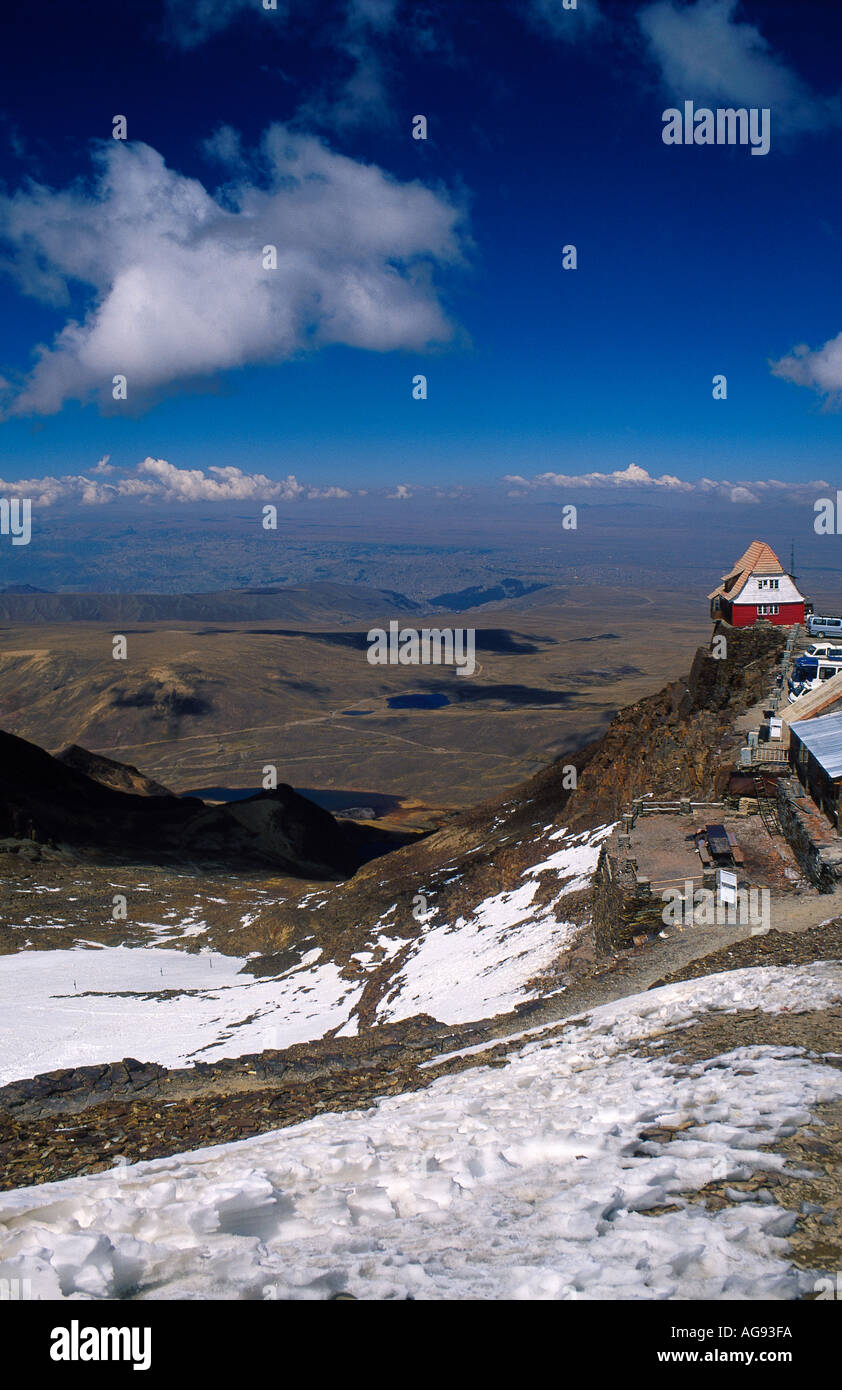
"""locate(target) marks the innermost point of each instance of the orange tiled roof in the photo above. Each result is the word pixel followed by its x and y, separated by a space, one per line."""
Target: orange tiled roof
pixel 760 558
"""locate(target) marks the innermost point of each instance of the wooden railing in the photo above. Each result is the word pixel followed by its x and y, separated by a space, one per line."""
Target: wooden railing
pixel 768 753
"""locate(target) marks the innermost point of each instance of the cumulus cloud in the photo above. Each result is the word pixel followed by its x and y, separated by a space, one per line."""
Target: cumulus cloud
pixel 820 369
pixel 705 53
pixel 157 480
pixel 401 493
pixel 180 287
pixel 635 477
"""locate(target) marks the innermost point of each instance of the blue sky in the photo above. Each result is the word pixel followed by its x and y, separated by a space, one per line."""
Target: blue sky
pixel 401 256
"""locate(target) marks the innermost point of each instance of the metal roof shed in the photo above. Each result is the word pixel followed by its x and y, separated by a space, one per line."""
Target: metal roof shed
pixel 815 752
pixel 823 738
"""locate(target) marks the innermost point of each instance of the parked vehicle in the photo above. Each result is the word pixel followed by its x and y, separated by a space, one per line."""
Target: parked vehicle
pixel 830 627
pixel 808 672
pixel 823 649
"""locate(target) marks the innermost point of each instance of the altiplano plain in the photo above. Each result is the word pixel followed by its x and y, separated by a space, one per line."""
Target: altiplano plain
pixel 202 705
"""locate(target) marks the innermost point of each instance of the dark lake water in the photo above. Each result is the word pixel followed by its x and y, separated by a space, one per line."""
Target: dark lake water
pixel 432 700
pixel 332 799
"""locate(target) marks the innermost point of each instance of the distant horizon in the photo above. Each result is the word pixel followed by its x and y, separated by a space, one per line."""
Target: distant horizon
pixel 423 544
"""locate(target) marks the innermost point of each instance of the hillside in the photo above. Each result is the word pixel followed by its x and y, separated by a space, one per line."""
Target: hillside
pixel 307 603
pixel 48 802
pixel 408 1008
pixel 651 1149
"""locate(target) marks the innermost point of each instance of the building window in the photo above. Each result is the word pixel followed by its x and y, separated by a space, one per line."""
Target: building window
pixel 765 609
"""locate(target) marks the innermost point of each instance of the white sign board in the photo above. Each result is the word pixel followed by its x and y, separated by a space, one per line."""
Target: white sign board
pixel 726 884
pixel 775 728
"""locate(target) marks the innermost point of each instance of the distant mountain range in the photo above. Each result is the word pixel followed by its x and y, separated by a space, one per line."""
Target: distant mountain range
pixel 311 603
pixel 321 601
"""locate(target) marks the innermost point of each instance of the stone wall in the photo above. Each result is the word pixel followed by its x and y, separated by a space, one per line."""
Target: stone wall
pixel 619 911
pixel 815 845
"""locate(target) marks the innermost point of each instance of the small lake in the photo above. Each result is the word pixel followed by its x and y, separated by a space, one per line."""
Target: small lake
pixel 431 700
pixel 333 799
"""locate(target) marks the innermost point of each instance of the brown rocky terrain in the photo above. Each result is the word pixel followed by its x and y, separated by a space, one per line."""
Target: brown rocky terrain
pixel 47 801
pixel 679 742
pixel 120 777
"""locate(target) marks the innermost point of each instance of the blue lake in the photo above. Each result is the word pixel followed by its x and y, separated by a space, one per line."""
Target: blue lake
pixel 431 700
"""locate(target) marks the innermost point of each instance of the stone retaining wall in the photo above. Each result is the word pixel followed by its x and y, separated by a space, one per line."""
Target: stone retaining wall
pixel 813 842
pixel 620 910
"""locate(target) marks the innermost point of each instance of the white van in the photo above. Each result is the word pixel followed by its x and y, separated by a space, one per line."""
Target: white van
pixel 823 650
pixel 829 627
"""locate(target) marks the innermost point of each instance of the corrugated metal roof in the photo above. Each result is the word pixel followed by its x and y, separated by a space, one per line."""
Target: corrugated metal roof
pixel 823 737
pixel 812 702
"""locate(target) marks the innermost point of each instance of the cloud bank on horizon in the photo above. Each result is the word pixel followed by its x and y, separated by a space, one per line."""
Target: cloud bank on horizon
pixel 635 477
pixel 158 480
pixel 181 289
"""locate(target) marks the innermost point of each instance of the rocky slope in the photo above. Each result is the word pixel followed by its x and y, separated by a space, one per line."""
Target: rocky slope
pixel 120 777
pixel 678 742
pixel 49 802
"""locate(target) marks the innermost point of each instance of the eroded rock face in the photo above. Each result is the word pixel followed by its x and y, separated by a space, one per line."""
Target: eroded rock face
pixel 680 741
pixel 120 777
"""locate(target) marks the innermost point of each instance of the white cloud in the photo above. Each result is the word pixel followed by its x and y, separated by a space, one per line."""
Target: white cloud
pixel 157 480
pixel 632 476
pixel 820 370
pixel 704 53
pixel 179 285
pixel 637 477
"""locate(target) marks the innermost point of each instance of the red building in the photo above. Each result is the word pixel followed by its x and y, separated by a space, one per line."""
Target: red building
pixel 757 590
